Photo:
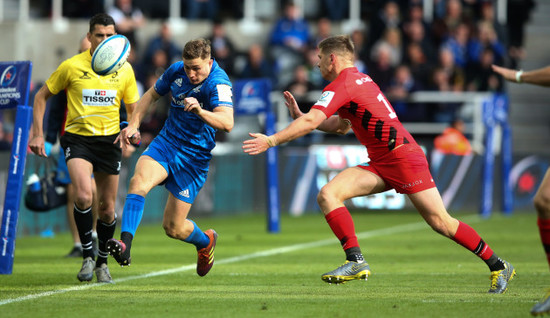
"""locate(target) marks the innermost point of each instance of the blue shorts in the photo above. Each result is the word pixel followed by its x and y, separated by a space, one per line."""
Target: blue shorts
pixel 186 175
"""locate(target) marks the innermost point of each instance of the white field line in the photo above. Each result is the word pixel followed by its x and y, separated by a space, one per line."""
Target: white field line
pixel 280 250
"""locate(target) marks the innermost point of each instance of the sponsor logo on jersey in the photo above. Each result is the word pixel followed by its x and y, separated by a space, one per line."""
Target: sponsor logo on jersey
pixel 85 75
pixel 362 80
pixel 179 82
pixel 184 193
pixel 224 93
pixel 179 100
pixel 197 89
pixel 98 97
pixel 325 99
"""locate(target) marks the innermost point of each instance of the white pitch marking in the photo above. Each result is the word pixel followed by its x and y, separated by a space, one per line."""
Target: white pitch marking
pixel 280 250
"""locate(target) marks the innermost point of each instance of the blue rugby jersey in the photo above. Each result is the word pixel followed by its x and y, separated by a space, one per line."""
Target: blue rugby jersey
pixel 185 129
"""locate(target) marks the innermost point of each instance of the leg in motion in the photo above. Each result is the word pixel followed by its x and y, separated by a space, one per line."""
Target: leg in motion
pixel 330 199
pixel 177 226
pixel 542 205
pixel 148 173
pixel 430 205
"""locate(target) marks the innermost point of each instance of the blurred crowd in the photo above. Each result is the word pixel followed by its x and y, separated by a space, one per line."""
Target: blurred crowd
pixel 399 49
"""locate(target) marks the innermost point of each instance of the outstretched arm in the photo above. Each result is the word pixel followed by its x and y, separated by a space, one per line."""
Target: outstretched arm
pixel 539 76
pixel 301 126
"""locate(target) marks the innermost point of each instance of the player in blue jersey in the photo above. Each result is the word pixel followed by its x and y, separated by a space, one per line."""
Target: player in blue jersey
pixel 179 156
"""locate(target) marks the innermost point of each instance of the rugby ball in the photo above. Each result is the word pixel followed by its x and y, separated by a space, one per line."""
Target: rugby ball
pixel 110 55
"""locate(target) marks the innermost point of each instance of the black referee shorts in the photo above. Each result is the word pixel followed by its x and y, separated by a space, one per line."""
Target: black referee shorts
pixel 98 150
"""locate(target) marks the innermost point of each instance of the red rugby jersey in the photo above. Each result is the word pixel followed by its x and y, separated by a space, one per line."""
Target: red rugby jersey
pixel 356 97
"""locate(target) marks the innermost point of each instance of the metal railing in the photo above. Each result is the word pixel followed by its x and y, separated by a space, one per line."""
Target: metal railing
pixel 470 110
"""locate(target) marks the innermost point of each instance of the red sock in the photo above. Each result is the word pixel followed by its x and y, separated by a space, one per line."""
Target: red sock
pixel 341 223
pixel 544 230
pixel 468 237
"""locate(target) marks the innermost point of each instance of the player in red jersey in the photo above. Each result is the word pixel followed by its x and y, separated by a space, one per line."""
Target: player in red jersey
pixel 540 76
pixel 396 162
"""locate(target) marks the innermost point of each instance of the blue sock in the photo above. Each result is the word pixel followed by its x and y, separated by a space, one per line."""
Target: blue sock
pixel 133 211
pixel 197 237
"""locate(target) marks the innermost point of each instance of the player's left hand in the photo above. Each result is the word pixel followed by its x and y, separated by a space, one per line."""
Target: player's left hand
pixel 292 105
pixel 258 144
pixel 191 104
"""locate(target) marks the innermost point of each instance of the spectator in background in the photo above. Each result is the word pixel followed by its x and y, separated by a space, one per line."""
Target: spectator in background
pixel 389 16
pixel 158 64
pixel 487 15
pixel 444 26
pixel 418 63
pixel 381 66
pixel 452 141
pixel 162 41
pixel 415 14
pixel 415 32
pixel 459 44
pixel 481 77
pixel 398 93
pixel 336 10
pixel 486 39
pixel 289 41
pixel 314 74
pixel 324 30
pixel 392 42
pixel 156 115
pixel 300 87
pixel 128 19
pixel 441 82
pixel 223 49
pixel 455 74
pixel 200 9
pixel 291 31
pixel 518 13
pixel 258 65
pixel 358 39
pixel 138 70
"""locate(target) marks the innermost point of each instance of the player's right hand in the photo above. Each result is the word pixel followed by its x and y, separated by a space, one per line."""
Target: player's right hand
pixel 37 146
pixel 127 136
pixel 507 73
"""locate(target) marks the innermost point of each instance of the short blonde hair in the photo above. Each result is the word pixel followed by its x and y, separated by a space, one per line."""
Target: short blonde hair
pixel 198 48
pixel 338 44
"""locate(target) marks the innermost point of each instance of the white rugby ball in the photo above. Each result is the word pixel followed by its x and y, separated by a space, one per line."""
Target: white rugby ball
pixel 110 55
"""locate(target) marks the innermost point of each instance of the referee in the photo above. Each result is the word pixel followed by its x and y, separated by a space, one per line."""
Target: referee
pixel 91 127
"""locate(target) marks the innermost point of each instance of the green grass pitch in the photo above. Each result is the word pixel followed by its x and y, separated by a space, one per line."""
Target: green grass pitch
pixel 415 272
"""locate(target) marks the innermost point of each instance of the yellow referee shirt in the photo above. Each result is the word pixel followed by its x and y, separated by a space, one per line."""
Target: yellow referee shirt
pixel 93 101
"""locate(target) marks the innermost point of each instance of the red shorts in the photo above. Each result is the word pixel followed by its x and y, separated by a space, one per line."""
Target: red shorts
pixel 404 169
